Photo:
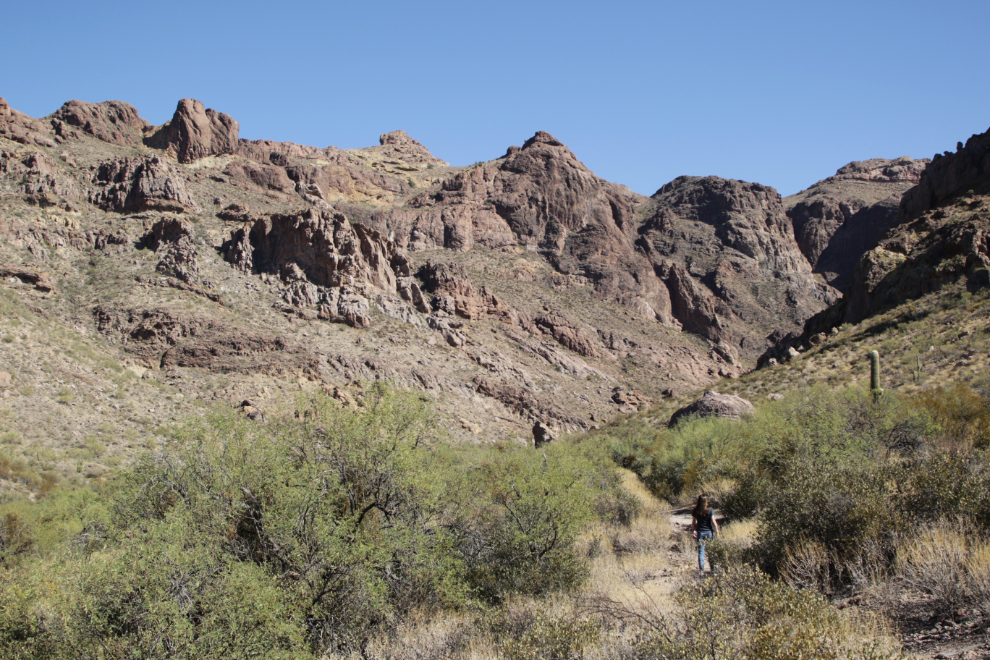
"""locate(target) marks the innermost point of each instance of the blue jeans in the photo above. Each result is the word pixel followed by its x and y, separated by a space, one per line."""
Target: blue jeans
pixel 703 538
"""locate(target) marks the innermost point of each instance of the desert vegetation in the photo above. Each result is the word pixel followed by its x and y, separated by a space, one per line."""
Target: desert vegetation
pixel 341 532
pixel 882 501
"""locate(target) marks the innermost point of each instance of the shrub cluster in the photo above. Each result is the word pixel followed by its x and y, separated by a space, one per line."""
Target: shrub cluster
pixel 836 480
pixel 295 538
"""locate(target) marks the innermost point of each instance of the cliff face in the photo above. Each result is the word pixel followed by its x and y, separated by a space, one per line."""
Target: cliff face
pixel 940 235
pixel 840 218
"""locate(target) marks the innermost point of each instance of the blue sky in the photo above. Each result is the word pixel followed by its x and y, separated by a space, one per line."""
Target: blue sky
pixel 782 93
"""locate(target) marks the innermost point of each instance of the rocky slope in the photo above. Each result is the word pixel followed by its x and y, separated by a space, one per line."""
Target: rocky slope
pixel 840 218
pixel 519 290
pixel 938 238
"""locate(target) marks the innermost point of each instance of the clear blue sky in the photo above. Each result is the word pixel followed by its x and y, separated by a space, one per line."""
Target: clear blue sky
pixel 782 93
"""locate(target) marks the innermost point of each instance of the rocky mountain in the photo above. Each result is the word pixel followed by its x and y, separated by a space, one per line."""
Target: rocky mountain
pixel 518 290
pixel 937 238
pixel 840 218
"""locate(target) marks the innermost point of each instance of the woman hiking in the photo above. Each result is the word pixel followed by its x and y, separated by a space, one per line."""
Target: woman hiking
pixel 703 526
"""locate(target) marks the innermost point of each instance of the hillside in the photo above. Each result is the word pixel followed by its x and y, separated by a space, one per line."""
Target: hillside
pixel 152 271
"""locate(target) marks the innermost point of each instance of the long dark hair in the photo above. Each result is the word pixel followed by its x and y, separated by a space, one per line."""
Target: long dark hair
pixel 701 509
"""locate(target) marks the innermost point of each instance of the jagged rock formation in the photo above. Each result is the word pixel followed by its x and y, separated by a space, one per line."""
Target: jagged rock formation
pixel 400 146
pixel 195 132
pixel 940 236
pixel 727 255
pixel 173 240
pixel 840 218
pixel 325 246
pixel 36 176
pixel 713 404
pixel 128 185
pixel 115 122
pixel 18 127
pixel 519 290
pixel 948 175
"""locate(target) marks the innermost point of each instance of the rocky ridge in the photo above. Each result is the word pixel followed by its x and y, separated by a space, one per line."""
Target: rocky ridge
pixel 520 290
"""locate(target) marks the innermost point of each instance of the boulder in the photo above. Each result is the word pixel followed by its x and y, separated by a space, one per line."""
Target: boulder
pixel 4 379
pixel 196 132
pixel 713 404
pixel 542 434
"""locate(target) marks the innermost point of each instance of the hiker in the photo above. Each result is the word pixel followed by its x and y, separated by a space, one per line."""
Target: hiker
pixel 703 526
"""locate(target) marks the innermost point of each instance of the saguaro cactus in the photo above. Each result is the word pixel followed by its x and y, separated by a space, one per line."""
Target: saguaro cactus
pixel 875 374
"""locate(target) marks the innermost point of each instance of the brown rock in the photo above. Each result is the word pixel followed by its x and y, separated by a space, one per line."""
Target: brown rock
pixel 195 132
pixel 173 239
pixel 115 122
pixel 840 218
pixel 325 246
pixel 164 338
pixel 128 185
pixel 948 175
pixel 18 127
pixel 400 146
pixel 39 279
pixel 568 335
pixel 522 401
pixel 4 379
pixel 454 294
pixel 727 254
pixel 713 404
pixel 542 434
pixel 39 178
pixel 235 213
pixel 633 398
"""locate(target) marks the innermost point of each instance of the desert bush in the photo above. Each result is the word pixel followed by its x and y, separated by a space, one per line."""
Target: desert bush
pixel 530 504
pixel 533 630
pixel 744 613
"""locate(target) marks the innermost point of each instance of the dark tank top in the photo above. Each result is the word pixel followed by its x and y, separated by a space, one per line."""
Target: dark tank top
pixel 704 523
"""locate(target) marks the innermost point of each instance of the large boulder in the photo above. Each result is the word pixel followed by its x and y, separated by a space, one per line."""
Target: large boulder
pixel 196 132
pixel 713 404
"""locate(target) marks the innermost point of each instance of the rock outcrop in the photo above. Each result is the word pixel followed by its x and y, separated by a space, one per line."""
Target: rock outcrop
pixel 173 241
pixel 18 127
pixel 128 185
pixel 115 122
pixel 37 177
pixel 399 146
pixel 713 404
pixel 726 252
pixel 941 236
pixel 948 175
pixel 165 338
pixel 455 295
pixel 328 249
pixel 196 132
pixel 840 218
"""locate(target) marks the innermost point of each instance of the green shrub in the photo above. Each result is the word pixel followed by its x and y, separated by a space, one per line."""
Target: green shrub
pixel 529 506
pixel 745 614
